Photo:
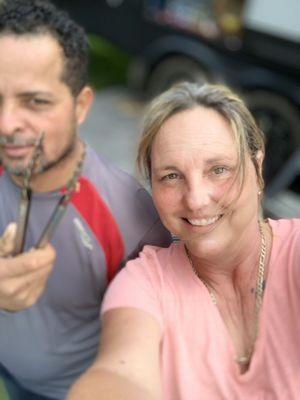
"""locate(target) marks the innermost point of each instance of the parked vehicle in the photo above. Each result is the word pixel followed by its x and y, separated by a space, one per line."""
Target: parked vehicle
pixel 252 45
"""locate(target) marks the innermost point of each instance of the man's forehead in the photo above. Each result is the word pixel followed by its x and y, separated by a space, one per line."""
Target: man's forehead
pixel 40 44
pixel 29 57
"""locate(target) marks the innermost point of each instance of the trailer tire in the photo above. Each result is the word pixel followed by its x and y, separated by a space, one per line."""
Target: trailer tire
pixel 173 70
pixel 280 121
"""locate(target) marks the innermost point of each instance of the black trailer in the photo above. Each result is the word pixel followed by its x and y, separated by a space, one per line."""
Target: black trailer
pixel 231 41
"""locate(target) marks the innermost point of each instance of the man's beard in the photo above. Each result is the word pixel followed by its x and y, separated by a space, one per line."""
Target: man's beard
pixel 42 165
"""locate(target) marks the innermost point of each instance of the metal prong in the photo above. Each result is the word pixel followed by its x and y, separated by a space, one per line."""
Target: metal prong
pixel 61 206
pixel 24 208
pixel 25 199
pixel 53 222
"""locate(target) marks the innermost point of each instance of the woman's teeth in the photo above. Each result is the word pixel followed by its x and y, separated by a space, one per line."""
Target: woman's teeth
pixel 203 221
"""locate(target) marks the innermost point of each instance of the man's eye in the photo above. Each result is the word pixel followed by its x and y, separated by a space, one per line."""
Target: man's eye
pixel 38 102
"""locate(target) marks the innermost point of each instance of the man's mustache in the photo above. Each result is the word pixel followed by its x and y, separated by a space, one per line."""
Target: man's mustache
pixel 17 141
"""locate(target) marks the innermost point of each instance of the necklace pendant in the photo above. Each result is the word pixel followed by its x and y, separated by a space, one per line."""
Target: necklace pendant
pixel 243 360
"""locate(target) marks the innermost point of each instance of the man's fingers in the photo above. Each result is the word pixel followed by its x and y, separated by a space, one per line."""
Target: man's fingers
pixel 23 278
pixel 18 295
pixel 26 263
pixel 7 240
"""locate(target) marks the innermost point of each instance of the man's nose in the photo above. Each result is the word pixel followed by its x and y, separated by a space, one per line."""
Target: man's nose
pixel 10 120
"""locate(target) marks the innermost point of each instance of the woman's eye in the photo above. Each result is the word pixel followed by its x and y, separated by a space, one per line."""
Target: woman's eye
pixel 171 176
pixel 219 170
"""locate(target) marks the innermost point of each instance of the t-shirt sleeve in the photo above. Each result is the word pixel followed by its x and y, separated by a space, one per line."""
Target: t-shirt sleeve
pixel 138 285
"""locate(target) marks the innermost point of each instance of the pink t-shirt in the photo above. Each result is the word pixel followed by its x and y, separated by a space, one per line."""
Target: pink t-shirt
pixel 197 355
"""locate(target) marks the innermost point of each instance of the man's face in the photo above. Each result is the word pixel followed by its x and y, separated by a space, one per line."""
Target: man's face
pixel 33 99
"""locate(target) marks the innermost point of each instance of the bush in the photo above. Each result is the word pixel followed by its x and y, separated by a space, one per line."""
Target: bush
pixel 108 64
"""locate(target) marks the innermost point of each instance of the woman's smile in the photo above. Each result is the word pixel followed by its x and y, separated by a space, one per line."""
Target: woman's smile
pixel 203 221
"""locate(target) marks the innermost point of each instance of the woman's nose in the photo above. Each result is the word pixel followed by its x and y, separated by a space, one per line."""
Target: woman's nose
pixel 198 196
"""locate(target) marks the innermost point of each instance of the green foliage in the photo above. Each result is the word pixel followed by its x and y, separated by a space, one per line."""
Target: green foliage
pixel 108 64
pixel 3 395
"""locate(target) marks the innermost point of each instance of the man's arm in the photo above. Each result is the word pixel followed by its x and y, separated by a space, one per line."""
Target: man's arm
pixel 127 366
pixel 22 278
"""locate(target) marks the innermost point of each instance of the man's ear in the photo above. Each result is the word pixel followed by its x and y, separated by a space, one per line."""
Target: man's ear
pixel 83 103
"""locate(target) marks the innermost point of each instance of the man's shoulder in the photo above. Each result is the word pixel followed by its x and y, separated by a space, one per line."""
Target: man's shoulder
pixel 103 172
pixel 121 193
pixel 114 185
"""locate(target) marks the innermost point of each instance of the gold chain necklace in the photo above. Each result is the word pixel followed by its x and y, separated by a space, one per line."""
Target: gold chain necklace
pixel 259 290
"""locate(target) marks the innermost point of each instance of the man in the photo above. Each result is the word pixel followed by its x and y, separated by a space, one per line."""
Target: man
pixel 48 341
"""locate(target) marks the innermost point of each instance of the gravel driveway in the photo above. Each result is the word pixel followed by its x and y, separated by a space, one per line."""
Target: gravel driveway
pixel 112 127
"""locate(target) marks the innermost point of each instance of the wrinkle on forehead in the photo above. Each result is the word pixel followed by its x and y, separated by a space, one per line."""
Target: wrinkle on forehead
pixel 193 134
pixel 29 59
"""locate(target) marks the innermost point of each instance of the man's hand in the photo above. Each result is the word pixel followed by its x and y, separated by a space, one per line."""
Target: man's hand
pixel 22 278
pixel 7 240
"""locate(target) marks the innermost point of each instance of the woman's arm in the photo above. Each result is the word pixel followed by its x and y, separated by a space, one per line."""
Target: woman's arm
pixel 127 366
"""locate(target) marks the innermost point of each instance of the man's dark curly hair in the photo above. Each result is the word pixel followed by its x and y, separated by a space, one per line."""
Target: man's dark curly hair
pixel 21 17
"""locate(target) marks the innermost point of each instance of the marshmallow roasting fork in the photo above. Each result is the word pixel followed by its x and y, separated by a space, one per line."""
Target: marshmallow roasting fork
pixel 26 198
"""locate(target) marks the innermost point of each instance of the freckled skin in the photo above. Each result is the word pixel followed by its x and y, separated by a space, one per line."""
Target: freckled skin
pixel 194 178
pixel 34 99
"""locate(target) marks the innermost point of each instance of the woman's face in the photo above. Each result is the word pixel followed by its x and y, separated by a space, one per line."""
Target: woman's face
pixel 194 165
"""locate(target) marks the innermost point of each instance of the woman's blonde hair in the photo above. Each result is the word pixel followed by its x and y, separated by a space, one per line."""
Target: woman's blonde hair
pixel 185 96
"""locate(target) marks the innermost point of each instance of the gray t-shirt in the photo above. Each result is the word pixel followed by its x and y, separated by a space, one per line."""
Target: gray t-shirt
pixel 109 219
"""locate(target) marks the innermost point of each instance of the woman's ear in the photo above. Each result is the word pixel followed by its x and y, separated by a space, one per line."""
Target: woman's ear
pixel 260 158
pixel 258 163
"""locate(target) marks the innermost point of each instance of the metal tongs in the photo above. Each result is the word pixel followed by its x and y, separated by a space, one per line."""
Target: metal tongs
pixel 60 206
pixel 25 202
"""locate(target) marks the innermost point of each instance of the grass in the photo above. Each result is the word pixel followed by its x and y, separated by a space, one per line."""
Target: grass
pixel 3 394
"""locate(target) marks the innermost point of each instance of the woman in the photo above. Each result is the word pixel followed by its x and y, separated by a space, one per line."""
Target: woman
pixel 214 316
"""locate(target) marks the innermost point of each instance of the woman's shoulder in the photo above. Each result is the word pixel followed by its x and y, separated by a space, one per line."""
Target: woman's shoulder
pixel 285 227
pixel 143 282
pixel 155 257
pixel 285 237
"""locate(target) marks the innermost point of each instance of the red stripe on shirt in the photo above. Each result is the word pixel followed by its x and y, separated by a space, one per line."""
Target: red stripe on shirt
pixel 97 215
pixel 1 170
